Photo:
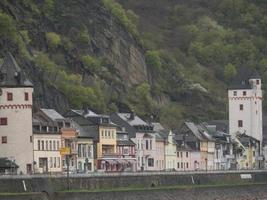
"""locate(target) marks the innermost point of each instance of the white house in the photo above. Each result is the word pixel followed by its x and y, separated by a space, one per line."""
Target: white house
pixel 46 144
pixel 170 152
pixel 245 108
pixel 16 115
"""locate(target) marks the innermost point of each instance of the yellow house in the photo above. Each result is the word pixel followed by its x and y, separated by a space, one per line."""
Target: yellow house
pixel 107 140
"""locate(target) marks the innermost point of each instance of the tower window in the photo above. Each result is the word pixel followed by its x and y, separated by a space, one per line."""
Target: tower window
pixel 4 139
pixel 240 123
pixel 3 121
pixel 9 96
pixel 244 93
pixel 26 96
pixel 235 93
pixel 241 107
pixel 257 82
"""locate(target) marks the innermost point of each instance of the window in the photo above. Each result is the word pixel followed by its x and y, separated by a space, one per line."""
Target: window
pixel 150 144
pixel 30 139
pixel 150 162
pixel 41 162
pixel 26 96
pixel 182 165
pixel 54 145
pixel 51 162
pixel 181 154
pixel 9 96
pixel 244 93
pixel 50 145
pixel 187 165
pixel 187 154
pixel 3 121
pixel 235 93
pixel 67 124
pixel 241 107
pixel 39 146
pixel 102 134
pixel 178 165
pixel 46 145
pixel 55 162
pixel 42 145
pixel 178 154
pixel 146 144
pixel 58 162
pixel 57 145
pixel 4 139
pixel 240 123
pixel 125 151
pixel 257 82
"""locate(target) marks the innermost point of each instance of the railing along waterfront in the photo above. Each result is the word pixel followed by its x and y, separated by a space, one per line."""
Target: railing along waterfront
pixel 113 174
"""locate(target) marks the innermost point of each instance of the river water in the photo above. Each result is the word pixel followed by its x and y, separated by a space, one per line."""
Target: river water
pixel 258 192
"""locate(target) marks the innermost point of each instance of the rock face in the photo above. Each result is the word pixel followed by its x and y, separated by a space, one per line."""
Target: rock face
pixel 108 39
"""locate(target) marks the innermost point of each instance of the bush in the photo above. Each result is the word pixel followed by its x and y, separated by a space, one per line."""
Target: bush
pixel 7 28
pixel 25 36
pixel 48 7
pixel 53 40
pixel 83 37
pixel 153 59
pixel 117 10
pixel 229 71
pixel 43 62
pixel 91 63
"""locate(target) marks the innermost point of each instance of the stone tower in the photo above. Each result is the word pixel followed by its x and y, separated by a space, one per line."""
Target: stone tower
pixel 16 115
pixel 245 108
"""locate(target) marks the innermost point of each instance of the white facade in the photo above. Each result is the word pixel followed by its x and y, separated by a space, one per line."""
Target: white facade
pixel 85 159
pixel 47 158
pixel 16 127
pixel 170 153
pixel 245 110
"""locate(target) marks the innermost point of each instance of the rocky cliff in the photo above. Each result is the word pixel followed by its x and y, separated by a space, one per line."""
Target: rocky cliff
pixel 104 37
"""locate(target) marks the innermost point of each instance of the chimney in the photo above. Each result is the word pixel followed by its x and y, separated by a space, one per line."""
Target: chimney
pixel 132 115
pixel 85 110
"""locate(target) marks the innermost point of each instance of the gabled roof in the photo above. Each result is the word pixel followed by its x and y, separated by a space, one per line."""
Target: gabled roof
pixel 11 74
pixel 52 114
pixel 136 121
pixel 87 113
pixel 255 75
pixel 241 80
pixel 247 140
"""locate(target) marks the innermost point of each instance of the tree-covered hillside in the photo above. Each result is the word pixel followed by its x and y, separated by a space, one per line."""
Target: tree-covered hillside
pixel 170 59
pixel 208 42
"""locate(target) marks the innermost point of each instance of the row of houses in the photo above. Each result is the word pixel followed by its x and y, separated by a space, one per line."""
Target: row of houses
pixel 83 141
pixel 125 142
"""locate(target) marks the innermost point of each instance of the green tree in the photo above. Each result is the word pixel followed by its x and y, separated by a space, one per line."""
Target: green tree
pixel 91 63
pixel 153 59
pixel 229 71
pixel 7 27
pixel 53 40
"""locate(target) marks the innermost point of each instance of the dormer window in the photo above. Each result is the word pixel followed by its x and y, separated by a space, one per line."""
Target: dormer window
pixel 10 96
pixel 257 82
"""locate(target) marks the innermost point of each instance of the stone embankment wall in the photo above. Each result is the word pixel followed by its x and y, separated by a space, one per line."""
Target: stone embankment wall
pixel 51 185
